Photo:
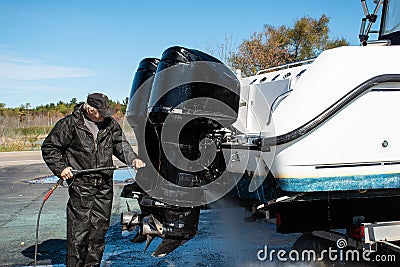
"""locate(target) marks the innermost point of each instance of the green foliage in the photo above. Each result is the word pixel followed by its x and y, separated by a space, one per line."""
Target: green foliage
pixel 24 128
pixel 61 108
pixel 23 138
pixel 15 146
pixel 27 132
pixel 124 105
pixel 33 130
pixel 307 38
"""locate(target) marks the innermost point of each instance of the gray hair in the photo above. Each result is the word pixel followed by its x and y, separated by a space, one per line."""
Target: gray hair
pixel 86 106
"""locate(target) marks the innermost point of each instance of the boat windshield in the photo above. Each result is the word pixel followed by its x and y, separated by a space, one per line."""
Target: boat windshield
pixel 391 20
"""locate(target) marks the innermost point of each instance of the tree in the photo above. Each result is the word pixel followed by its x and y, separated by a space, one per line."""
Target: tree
pixel 124 105
pixel 222 50
pixel 2 108
pixel 281 45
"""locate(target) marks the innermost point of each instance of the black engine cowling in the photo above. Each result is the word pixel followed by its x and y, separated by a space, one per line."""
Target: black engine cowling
pixel 177 108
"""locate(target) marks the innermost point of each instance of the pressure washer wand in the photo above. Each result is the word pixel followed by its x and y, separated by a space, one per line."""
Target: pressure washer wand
pixel 75 172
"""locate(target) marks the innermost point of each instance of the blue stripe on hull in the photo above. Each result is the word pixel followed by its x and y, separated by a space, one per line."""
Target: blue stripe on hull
pixel 341 183
pixel 263 193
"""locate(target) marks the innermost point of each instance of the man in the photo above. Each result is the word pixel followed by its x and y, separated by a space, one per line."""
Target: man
pixel 87 139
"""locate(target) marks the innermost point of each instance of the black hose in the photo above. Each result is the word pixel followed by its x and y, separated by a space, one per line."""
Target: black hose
pixel 59 182
pixel 37 233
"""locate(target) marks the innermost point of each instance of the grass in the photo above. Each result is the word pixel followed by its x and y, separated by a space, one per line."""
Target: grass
pixel 31 137
pixel 27 138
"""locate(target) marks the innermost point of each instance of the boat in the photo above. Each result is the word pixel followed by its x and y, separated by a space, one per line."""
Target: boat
pixel 325 124
pixel 306 140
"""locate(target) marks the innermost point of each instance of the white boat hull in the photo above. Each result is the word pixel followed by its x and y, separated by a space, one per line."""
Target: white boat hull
pixel 356 147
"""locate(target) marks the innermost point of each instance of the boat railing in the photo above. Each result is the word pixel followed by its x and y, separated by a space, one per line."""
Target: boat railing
pixel 287 66
pixel 379 42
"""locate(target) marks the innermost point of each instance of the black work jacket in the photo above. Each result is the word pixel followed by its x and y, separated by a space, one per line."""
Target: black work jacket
pixel 71 144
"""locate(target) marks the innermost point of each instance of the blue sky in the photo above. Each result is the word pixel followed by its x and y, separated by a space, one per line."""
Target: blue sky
pixel 56 50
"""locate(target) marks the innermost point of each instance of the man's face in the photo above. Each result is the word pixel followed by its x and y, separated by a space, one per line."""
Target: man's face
pixel 94 115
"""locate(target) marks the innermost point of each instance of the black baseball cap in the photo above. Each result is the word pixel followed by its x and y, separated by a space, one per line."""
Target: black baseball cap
pixel 100 102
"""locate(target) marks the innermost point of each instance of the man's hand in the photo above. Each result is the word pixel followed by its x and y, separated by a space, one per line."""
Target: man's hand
pixel 138 163
pixel 66 173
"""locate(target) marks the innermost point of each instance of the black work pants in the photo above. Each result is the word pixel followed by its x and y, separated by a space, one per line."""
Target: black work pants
pixel 88 218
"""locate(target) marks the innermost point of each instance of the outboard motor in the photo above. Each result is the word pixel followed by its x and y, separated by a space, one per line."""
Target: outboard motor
pixel 140 92
pixel 193 97
pixel 192 74
pixel 138 104
pixel 137 117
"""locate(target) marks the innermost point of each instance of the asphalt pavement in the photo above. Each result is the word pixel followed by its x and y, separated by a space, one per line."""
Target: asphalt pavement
pixel 19 205
pixel 223 239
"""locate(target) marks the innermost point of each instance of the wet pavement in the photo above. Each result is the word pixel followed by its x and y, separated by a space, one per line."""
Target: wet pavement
pixel 19 205
pixel 224 238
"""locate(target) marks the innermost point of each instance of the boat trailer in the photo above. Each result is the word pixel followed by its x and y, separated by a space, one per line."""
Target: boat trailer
pixel 370 218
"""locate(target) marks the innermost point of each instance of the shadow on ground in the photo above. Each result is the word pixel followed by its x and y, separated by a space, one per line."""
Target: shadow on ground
pixel 53 250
